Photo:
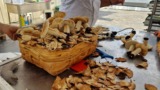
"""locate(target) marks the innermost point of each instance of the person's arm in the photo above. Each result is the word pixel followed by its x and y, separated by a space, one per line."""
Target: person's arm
pixel 9 30
pixel 111 2
pixel 1 27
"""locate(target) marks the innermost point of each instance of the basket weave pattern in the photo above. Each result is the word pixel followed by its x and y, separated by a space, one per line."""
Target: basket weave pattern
pixel 55 62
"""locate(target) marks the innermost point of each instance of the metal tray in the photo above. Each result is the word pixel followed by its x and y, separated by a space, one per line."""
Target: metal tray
pixel 31 77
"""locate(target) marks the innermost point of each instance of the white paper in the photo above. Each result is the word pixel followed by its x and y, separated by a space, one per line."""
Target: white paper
pixel 8 55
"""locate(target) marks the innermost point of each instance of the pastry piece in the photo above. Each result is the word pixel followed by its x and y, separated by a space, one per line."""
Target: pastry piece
pixel 111 76
pixel 25 31
pixel 119 37
pixel 129 43
pixel 56 15
pixel 36 33
pixel 56 23
pixel 91 63
pixel 85 25
pixel 121 75
pixel 124 83
pixel 79 21
pixel 128 72
pixel 59 84
pixel 62 41
pixel 68 26
pixel 87 72
pixel 56 83
pixel 150 87
pixel 132 86
pixel 59 14
pixel 98 29
pixel 27 34
pixel 123 72
pixel 55 32
pixel 45 29
pixel 143 65
pixel 144 49
pixel 53 45
pixel 26 38
pixel 121 59
pixel 80 86
pixel 140 49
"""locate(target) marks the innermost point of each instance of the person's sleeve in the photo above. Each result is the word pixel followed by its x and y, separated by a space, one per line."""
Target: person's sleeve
pixel 96 7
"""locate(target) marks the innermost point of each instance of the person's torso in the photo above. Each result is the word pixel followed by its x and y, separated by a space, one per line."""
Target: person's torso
pixel 87 8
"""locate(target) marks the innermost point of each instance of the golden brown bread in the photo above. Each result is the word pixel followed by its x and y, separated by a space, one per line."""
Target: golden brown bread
pixel 143 47
pixel 99 76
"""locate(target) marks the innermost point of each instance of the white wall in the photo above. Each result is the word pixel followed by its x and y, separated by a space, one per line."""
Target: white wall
pixel 138 1
pixel 3 12
pixel 1 17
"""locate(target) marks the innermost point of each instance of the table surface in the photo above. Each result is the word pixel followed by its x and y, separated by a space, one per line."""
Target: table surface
pixel 8 46
pixel 34 78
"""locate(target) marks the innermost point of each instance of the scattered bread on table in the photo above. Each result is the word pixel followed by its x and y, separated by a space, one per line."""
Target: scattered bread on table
pixel 98 76
pixel 120 59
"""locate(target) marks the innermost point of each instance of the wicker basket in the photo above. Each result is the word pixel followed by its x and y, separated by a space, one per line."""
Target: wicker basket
pixel 55 62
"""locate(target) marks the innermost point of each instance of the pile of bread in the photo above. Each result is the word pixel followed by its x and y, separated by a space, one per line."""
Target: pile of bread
pixel 57 33
pixel 98 76
pixel 59 43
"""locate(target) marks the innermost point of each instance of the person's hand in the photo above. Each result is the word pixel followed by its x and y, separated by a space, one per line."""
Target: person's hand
pixel 10 31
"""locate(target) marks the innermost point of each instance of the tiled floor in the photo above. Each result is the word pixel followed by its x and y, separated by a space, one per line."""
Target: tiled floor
pixel 122 18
